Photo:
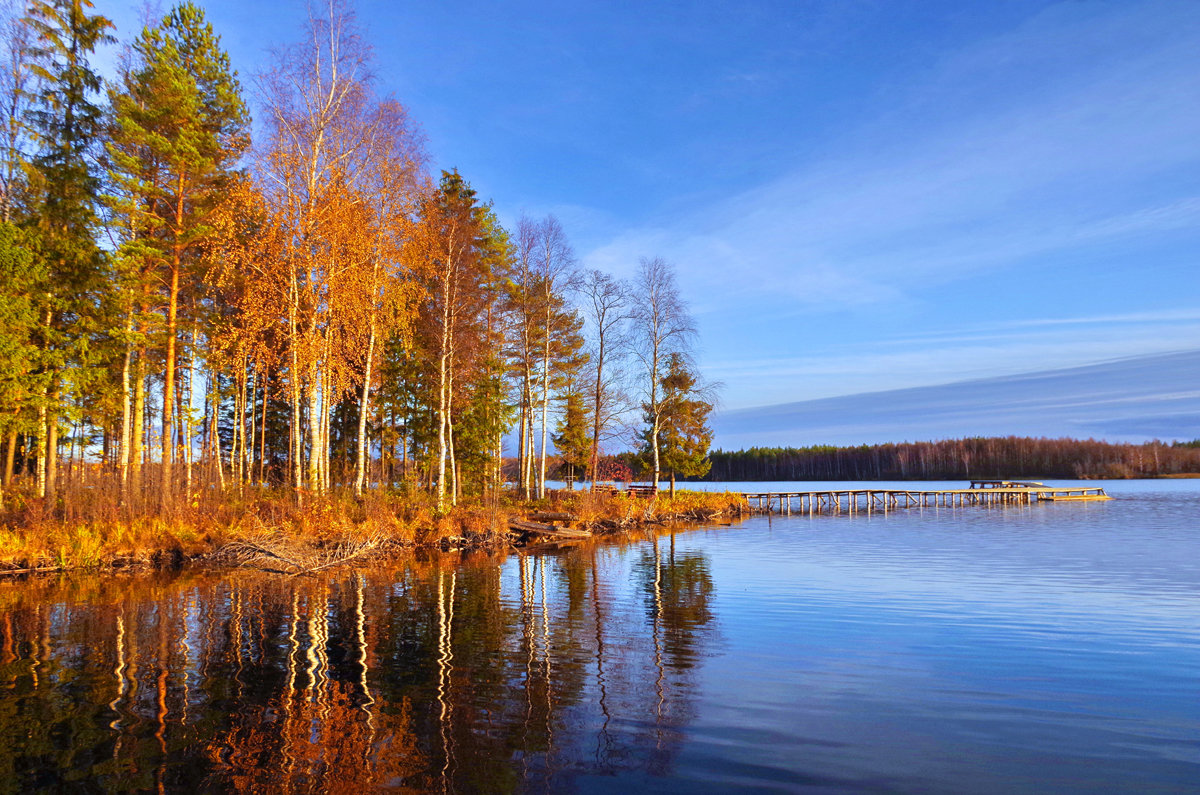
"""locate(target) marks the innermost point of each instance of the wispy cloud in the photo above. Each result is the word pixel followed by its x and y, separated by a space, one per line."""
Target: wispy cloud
pixel 910 361
pixel 934 194
pixel 1130 399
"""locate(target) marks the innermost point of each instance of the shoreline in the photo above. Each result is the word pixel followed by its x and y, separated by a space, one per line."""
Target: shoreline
pixel 271 532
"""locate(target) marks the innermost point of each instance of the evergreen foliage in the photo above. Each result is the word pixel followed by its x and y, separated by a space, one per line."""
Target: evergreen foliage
pixel 571 439
pixel 21 278
pixel 683 433
pixel 65 124
pixel 957 459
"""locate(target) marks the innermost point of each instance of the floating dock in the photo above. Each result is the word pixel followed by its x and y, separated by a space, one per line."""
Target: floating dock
pixel 981 492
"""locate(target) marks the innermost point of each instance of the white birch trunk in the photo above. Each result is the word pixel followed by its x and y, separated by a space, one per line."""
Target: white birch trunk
pixel 363 406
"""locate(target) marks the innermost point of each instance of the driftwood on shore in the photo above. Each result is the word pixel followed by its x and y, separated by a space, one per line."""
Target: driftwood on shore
pixel 270 550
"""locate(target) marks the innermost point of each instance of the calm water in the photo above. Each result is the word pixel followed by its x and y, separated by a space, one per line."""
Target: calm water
pixel 1049 648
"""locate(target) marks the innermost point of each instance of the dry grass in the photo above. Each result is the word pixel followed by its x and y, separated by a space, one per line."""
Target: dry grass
pixel 620 511
pixel 92 527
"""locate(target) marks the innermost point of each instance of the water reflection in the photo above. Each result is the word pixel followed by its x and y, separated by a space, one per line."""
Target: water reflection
pixel 443 673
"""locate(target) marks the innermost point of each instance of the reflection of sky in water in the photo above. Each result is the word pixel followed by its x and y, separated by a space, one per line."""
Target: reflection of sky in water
pixel 1054 648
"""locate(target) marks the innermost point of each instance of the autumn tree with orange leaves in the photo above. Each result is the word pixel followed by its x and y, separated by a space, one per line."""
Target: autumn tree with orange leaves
pixel 340 171
pixel 311 310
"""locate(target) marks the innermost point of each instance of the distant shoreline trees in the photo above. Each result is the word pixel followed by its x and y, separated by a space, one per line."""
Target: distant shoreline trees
pixel 958 459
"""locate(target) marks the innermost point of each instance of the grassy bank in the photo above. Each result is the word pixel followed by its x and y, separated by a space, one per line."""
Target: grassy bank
pixel 270 528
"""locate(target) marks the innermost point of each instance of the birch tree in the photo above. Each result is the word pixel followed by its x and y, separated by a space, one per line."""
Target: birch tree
pixel 523 311
pixel 560 326
pixel 327 136
pixel 607 308
pixel 662 326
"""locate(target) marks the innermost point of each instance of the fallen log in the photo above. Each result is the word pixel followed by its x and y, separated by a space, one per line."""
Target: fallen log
pixel 553 517
pixel 537 528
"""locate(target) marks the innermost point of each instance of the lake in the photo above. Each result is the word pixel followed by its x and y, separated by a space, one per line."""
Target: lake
pixel 1042 648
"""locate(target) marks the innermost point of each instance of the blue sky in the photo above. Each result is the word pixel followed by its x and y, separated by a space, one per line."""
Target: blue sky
pixel 857 195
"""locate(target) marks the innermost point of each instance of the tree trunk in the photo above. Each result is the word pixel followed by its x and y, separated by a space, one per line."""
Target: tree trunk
pixel 252 419
pixel 441 471
pixel 326 410
pixel 126 408
pixel 262 447
pixel 498 477
pixel 52 447
pixel 137 426
pixel 216 436
pixel 360 467
pixel 527 451
pixel 524 414
pixel 654 442
pixel 168 433
pixel 444 386
pixel 453 462
pixel 71 448
pixel 404 447
pixel 541 485
pixel 450 432
pixel 314 428
pixel 596 407
pixel 295 440
pixel 10 457
pixel 654 407
pixel 237 451
pixel 188 430
pixel 177 431
pixel 205 425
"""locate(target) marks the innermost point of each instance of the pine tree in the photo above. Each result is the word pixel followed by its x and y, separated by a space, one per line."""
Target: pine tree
pixel 179 127
pixel 453 237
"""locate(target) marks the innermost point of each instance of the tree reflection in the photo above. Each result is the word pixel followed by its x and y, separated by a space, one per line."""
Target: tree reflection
pixel 444 672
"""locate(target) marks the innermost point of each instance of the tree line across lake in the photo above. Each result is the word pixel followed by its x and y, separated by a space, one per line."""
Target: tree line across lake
pixel 959 459
pixel 183 308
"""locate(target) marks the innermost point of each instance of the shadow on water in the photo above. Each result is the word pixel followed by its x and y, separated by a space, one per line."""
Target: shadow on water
pixel 442 673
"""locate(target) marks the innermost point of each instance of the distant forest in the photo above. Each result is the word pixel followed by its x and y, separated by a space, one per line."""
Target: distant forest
pixel 959 459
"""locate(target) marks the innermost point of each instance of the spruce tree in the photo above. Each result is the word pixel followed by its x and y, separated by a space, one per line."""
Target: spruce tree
pixel 683 433
pixel 572 441
pixel 65 124
pixel 21 277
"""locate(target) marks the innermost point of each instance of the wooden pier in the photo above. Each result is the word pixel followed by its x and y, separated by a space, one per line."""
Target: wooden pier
pixel 981 492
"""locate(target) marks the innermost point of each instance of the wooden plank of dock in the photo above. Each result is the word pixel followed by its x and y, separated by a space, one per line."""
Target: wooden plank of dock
pixel 988 492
